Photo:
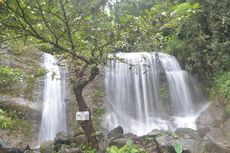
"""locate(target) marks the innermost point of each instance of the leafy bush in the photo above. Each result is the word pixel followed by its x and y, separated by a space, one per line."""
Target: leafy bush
pixel 5 121
pixel 128 148
pixel 9 76
pixel 221 87
pixel 178 148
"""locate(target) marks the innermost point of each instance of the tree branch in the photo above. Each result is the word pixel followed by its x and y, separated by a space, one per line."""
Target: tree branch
pixel 46 23
pixel 66 22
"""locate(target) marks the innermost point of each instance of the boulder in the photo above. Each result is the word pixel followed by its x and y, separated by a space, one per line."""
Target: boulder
pixel 103 144
pixel 188 133
pixel 167 141
pixel 80 139
pixel 62 138
pixel 117 132
pixel 120 142
pixel 72 150
pixel 220 135
pixel 212 117
pixel 211 147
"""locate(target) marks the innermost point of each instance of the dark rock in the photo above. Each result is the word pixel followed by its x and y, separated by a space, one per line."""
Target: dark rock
pixel 11 150
pixel 62 138
pixel 80 139
pixel 103 144
pixel 120 142
pixel 63 147
pixel 67 149
pixel 24 147
pixel 72 150
pixel 130 136
pixel 155 132
pixel 117 132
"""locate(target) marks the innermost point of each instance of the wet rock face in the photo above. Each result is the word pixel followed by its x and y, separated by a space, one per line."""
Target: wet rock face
pixel 23 100
pixel 212 117
pixel 213 126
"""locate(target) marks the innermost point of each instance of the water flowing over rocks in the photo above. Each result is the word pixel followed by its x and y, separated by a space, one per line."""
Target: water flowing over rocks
pixel 138 99
pixel 54 107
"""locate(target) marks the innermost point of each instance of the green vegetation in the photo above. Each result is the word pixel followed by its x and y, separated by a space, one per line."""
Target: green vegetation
pixel 128 148
pixel 221 88
pixel 178 148
pixel 5 122
pixel 221 85
pixel 8 77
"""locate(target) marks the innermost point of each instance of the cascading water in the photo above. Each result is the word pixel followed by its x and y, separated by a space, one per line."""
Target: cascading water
pixel 54 111
pixel 147 91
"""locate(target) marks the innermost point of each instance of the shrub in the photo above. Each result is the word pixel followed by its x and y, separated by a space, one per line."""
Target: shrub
pixel 128 148
pixel 5 121
pixel 221 87
pixel 9 76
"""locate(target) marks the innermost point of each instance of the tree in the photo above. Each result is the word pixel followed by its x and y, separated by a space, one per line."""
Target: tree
pixel 79 29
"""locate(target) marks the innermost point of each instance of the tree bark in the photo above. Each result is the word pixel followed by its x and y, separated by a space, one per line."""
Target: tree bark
pixel 78 86
pixel 87 126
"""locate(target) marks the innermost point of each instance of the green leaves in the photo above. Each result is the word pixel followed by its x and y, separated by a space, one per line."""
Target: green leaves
pixel 5 121
pixel 221 85
pixel 178 148
pixel 9 76
pixel 128 148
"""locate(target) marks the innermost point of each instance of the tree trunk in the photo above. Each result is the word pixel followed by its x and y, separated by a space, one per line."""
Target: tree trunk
pixel 87 125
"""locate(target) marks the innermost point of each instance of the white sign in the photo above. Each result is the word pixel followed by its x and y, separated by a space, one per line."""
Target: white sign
pixel 82 116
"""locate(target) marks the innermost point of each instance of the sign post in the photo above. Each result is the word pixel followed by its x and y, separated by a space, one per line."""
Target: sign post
pixel 82 116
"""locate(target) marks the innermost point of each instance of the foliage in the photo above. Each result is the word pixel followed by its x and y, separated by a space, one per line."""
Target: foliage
pixel 87 149
pixel 221 87
pixel 149 138
pixel 80 30
pixel 9 76
pixel 5 121
pixel 128 148
pixel 178 148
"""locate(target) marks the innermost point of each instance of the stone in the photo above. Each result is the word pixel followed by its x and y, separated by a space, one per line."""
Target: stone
pixel 73 150
pixel 220 135
pixel 212 117
pixel 62 138
pixel 188 133
pixel 80 139
pixel 211 147
pixel 117 132
pixel 11 150
pixel 166 142
pixel 103 144
pixel 155 132
pixel 120 142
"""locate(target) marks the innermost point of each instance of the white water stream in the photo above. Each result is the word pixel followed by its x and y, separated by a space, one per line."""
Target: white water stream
pixel 147 91
pixel 54 111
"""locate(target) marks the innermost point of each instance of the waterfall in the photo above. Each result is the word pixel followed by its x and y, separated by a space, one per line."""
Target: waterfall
pixel 54 111
pixel 147 91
